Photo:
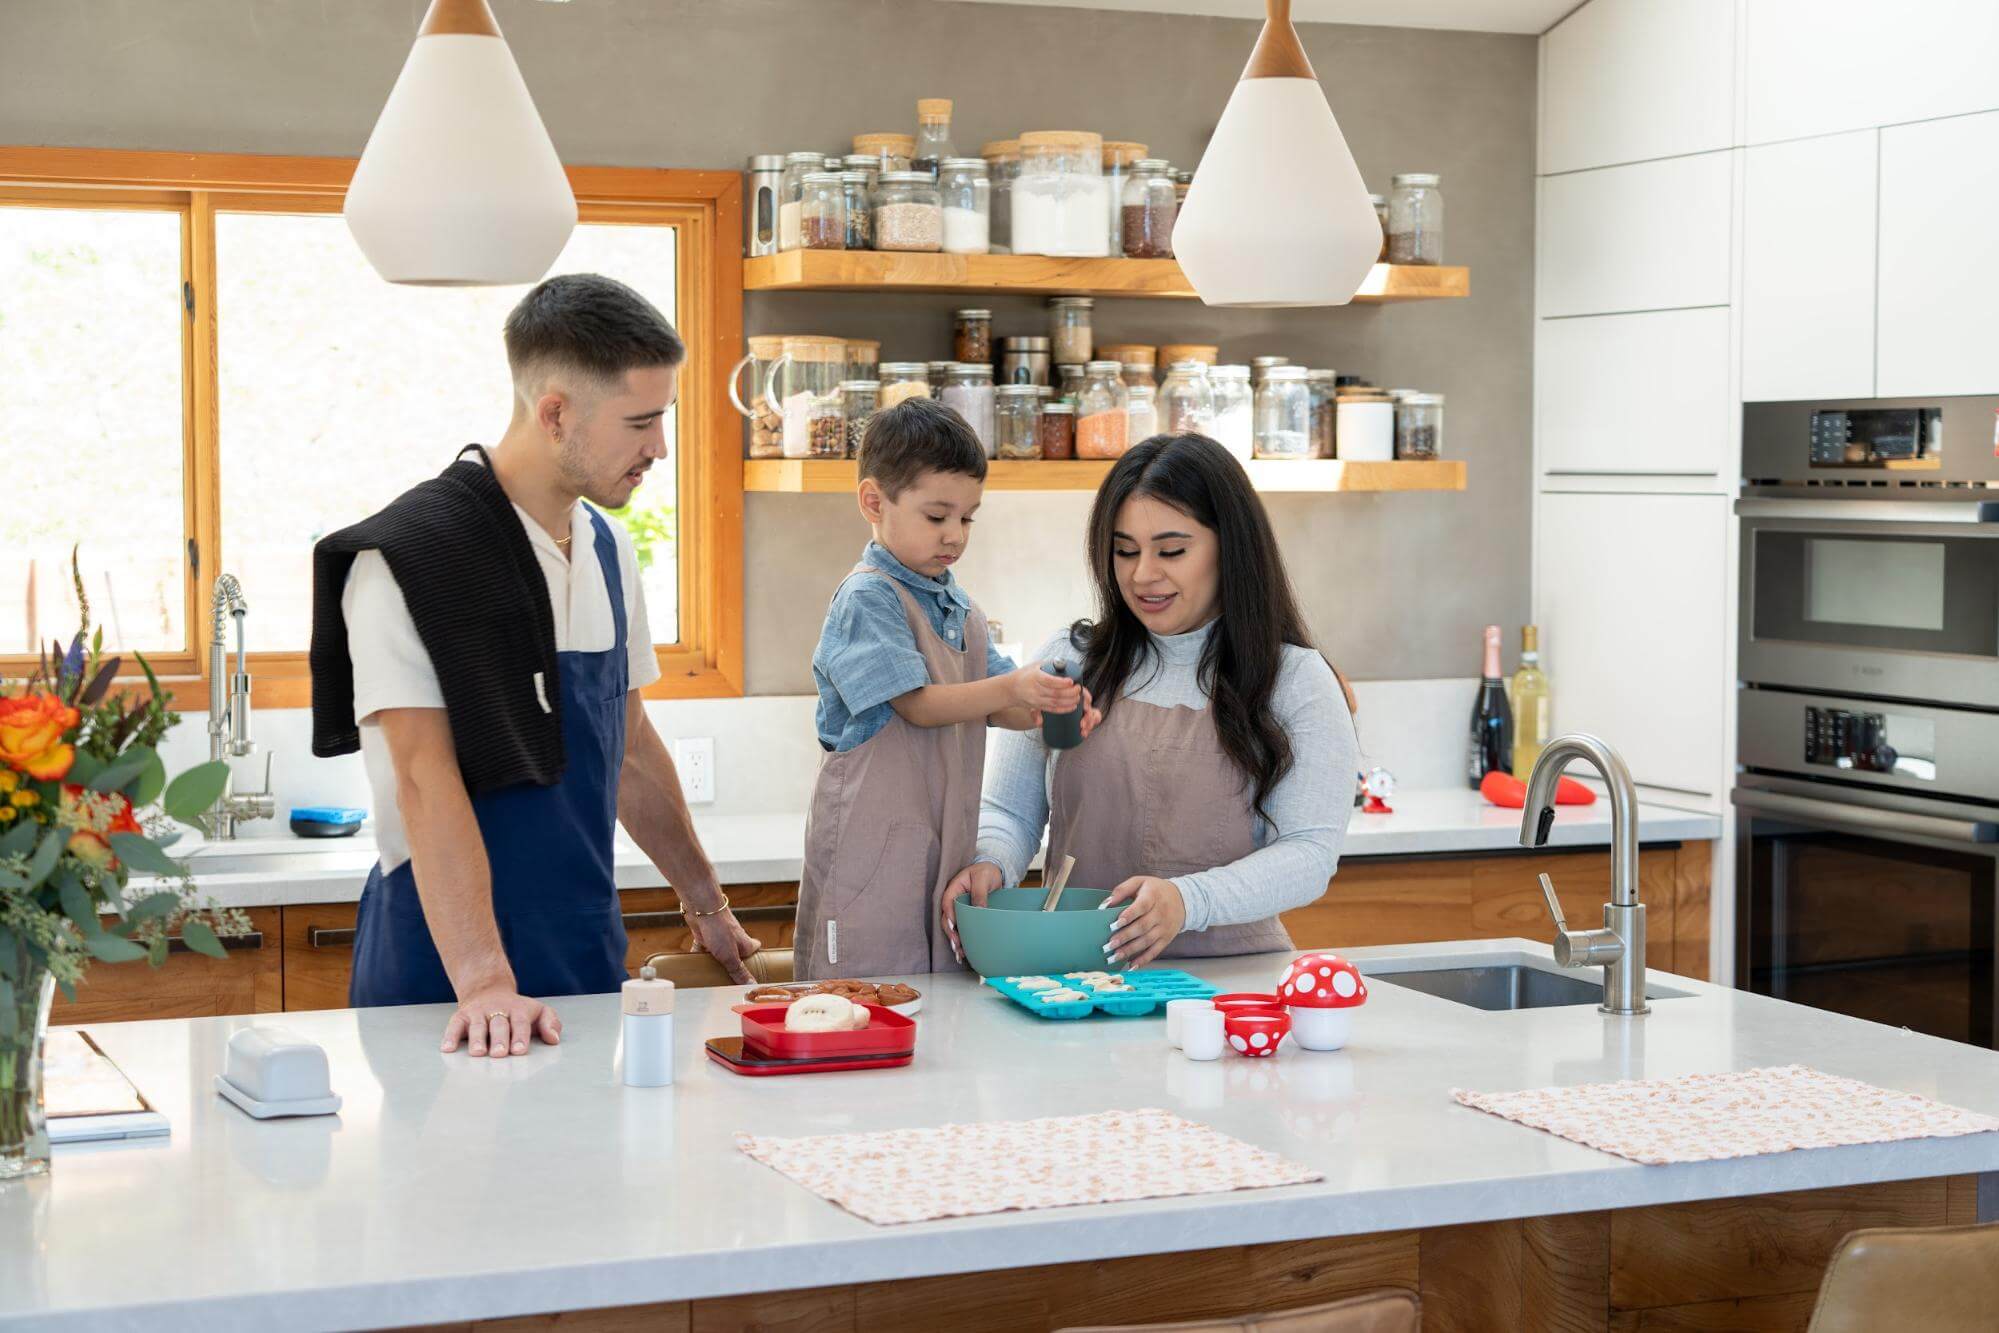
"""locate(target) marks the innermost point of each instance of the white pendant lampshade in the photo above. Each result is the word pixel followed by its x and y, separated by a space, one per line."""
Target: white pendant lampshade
pixel 1277 214
pixel 459 185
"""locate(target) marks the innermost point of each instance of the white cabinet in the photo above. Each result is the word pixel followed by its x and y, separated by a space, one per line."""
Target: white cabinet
pixel 1939 284
pixel 1634 394
pixel 1631 597
pixel 1822 66
pixel 1629 80
pixel 1808 269
pixel 1650 236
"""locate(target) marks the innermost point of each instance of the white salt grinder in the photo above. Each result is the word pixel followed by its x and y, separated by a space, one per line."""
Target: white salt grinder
pixel 648 1010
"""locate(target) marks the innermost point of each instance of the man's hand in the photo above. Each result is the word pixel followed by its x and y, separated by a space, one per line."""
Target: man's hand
pixel 498 1021
pixel 723 938
pixel 977 882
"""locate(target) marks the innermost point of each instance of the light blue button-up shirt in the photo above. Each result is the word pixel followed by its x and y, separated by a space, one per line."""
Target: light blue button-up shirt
pixel 867 654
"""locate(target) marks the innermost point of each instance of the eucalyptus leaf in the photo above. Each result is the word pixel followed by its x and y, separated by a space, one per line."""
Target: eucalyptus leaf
pixel 6 953
pixel 83 769
pixel 9 1021
pixel 46 856
pixel 76 904
pixel 143 856
pixel 152 780
pixel 20 839
pixel 194 793
pixel 129 766
pixel 165 840
pixel 201 939
pixel 111 949
pixel 152 905
pixel 10 880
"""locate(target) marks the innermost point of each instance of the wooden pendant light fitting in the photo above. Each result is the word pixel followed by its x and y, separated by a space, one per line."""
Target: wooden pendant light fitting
pixel 467 18
pixel 1278 53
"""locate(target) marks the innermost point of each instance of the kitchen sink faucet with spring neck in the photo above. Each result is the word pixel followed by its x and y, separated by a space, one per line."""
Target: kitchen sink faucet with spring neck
pixel 229 712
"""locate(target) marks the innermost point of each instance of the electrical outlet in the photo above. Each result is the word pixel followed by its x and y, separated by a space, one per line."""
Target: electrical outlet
pixel 694 757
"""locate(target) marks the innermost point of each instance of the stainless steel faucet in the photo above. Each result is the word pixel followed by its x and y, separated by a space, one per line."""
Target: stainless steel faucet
pixel 229 712
pixel 1620 945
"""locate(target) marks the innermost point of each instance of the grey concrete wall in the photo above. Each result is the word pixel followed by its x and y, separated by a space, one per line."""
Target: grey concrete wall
pixel 1395 586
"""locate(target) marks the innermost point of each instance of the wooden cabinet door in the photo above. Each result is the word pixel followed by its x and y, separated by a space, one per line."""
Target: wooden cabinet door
pixel 1633 80
pixel 654 923
pixel 1940 257
pixel 319 955
pixel 1650 236
pixel 1808 269
pixel 1643 394
pixel 188 985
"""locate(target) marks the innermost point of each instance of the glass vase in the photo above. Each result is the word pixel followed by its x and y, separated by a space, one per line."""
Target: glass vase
pixel 24 1022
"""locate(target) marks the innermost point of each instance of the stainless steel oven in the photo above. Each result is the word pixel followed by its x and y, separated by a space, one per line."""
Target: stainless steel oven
pixel 1867 843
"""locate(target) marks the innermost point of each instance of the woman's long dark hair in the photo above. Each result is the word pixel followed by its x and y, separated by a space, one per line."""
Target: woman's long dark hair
pixel 1257 612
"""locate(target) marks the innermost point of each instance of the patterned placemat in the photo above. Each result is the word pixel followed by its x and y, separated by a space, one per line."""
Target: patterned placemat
pixel 1707 1117
pixel 918 1175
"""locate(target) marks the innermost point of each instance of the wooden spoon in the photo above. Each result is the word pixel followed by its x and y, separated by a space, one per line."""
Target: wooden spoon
pixel 1055 885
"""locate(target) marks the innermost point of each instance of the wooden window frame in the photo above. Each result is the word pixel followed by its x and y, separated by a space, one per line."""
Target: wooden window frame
pixel 704 207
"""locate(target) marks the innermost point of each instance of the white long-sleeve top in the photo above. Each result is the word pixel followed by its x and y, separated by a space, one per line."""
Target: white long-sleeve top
pixel 1297 847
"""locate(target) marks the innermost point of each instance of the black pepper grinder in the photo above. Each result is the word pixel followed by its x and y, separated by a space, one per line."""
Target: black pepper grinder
pixel 1062 731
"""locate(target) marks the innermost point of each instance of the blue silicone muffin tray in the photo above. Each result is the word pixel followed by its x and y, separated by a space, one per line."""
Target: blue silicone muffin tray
pixel 1149 993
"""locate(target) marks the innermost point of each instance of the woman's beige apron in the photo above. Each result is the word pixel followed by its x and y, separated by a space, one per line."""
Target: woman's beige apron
pixel 1151 792
pixel 892 820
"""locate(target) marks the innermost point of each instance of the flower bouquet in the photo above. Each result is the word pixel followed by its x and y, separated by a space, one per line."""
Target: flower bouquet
pixel 85 805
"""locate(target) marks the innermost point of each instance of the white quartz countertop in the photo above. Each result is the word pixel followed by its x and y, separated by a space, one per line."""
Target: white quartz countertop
pixel 271 867
pixel 451 1188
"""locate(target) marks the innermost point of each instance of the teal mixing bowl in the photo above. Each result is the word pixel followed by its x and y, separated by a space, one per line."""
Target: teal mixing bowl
pixel 1011 936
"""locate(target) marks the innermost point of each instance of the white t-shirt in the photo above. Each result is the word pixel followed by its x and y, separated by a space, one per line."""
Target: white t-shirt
pixel 392 669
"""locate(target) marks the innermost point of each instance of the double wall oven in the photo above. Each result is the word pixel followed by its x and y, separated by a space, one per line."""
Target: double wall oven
pixel 1867 788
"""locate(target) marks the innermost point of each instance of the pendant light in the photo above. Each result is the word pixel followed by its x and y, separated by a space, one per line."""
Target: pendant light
pixel 1277 214
pixel 459 185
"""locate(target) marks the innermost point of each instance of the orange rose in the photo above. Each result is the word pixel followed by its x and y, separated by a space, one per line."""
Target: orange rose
pixel 91 849
pixel 95 816
pixel 31 735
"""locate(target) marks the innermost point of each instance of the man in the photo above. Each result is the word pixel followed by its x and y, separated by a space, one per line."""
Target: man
pixel 483 641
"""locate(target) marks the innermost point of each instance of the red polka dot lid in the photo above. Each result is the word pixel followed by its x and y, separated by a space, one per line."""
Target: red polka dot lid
pixel 1321 981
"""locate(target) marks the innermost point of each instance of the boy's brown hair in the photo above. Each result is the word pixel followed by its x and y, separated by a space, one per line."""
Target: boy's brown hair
pixel 914 437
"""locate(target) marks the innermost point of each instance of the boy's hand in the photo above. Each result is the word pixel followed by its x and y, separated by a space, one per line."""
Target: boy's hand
pixel 1042 691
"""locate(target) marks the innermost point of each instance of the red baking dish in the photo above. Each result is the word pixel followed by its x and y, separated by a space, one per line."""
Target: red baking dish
pixel 887 1033
pixel 734 1056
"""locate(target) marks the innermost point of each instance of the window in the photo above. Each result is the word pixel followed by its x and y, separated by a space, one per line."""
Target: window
pixel 215 379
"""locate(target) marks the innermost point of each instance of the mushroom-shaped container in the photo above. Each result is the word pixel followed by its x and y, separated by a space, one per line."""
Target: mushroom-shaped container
pixel 1257 1033
pixel 1321 991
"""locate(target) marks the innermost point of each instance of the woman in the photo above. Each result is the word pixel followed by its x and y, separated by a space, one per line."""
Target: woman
pixel 1215 792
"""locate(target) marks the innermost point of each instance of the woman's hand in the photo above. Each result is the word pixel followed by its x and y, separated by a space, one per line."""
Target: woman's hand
pixel 1144 929
pixel 976 881
pixel 1091 714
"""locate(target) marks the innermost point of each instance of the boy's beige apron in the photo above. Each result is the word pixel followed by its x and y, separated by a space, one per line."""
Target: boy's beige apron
pixel 1151 792
pixel 892 820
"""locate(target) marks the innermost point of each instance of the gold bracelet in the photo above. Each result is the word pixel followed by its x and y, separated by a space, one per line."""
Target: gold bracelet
pixel 689 911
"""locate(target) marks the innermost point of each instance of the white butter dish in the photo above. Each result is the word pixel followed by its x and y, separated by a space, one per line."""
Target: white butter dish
pixel 273 1071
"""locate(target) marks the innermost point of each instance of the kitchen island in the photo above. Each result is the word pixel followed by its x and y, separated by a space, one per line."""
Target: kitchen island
pixel 451 1189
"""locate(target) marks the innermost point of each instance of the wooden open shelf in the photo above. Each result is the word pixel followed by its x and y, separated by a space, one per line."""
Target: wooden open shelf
pixel 802 476
pixel 1039 275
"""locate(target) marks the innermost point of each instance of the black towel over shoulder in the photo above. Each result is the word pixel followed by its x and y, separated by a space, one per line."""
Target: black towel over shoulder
pixel 476 593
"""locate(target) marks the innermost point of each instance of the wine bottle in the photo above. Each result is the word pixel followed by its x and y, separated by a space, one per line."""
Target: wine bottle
pixel 1062 731
pixel 1531 700
pixel 1491 718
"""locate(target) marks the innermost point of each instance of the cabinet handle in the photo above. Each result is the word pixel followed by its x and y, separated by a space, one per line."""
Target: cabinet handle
pixel 675 920
pixel 328 937
pixel 252 940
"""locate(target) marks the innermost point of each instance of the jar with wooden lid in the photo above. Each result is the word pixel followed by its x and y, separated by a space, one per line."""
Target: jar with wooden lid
pixel 1017 421
pixel 1103 420
pixel 863 354
pixel 1146 211
pixel 1002 166
pixel 822 217
pixel 766 422
pixel 860 398
pixel 891 152
pixel 1060 202
pixel 806 376
pixel 1069 333
pixel 1283 420
pixel 1187 399
pixel 972 335
pixel 1204 353
pixel 1120 160
pixel 1324 398
pixel 933 134
pixel 1365 425
pixel 791 195
pixel 908 213
pixel 966 193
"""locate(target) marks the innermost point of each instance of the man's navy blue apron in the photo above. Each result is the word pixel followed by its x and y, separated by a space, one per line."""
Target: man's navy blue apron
pixel 549 849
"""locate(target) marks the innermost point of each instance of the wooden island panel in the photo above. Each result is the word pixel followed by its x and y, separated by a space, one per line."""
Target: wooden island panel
pixel 248 979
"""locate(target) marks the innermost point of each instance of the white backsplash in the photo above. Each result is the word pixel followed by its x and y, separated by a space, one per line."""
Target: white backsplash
pixel 766 751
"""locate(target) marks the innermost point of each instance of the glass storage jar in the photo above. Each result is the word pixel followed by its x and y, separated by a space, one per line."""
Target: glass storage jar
pixel 1142 407
pixel 1324 396
pixel 967 196
pixel 806 375
pixel 791 193
pixel 908 214
pixel 826 427
pixel 1187 400
pixel 1235 411
pixel 871 167
pixel 859 189
pixel 891 152
pixel 940 372
pixel 902 381
pixel 1416 220
pixel 822 217
pixel 1057 428
pixel 933 134
pixel 1259 366
pixel 1103 419
pixel 968 391
pixel 1419 425
pixel 766 421
pixel 972 335
pixel 1059 199
pixel 1366 425
pixel 1284 414
pixel 1017 421
pixel 1002 165
pixel 1069 330
pixel 1146 211
pixel 862 356
pixel 859 397
pixel 1120 161
pixel 1070 382
pixel 1380 202
pixel 1024 360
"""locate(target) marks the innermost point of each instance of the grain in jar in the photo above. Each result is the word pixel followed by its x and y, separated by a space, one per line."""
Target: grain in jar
pixel 1121 159
pixel 1069 331
pixel 1142 407
pixel 968 391
pixel 902 381
pixel 1069 381
pixel 1283 423
pixel 859 397
pixel 1060 202
pixel 907 213
pixel 1419 425
pixel 1103 418
pixel 766 420
pixel 826 427
pixel 966 193
pixel 1187 399
pixel 791 194
pixel 972 335
pixel 933 134
pixel 804 379
pixel 1234 426
pixel 822 218
pixel 859 189
pixel 1416 219
pixel 1324 399
pixel 891 152
pixel 1057 429
pixel 940 374
pixel 1016 421
pixel 1146 212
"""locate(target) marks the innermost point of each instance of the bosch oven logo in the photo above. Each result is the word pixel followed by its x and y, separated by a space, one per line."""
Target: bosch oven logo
pixel 1869 671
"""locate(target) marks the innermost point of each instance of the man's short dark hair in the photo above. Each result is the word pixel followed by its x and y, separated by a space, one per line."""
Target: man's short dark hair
pixel 589 324
pixel 916 436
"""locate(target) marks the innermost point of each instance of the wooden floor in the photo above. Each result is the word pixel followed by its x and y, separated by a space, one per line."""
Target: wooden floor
pixel 1742 1264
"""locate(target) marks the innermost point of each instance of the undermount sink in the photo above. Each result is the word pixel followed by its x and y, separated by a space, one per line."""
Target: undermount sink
pixel 1511 986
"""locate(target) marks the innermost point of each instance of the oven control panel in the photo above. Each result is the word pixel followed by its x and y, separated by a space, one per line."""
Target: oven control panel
pixel 1837 738
pixel 1909 437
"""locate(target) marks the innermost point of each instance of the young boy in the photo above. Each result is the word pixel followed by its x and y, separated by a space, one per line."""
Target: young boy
pixel 908 681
